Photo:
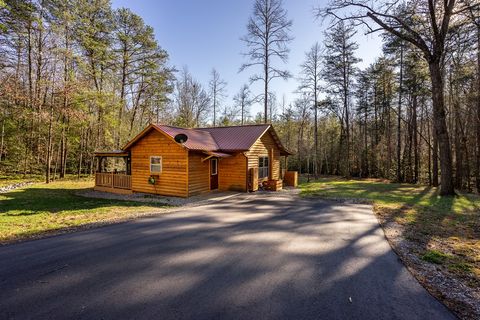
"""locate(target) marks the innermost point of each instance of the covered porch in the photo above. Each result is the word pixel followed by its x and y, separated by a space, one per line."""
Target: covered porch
pixel 113 172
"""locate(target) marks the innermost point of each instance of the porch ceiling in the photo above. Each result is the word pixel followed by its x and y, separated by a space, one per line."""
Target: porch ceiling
pixel 114 153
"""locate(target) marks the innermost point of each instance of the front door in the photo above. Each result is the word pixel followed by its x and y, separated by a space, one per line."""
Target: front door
pixel 213 173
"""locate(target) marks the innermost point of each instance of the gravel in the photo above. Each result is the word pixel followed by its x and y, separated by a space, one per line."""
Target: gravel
pixel 13 186
pixel 162 200
pixel 202 199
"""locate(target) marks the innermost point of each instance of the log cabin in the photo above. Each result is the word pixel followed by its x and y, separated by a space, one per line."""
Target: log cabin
pixel 173 161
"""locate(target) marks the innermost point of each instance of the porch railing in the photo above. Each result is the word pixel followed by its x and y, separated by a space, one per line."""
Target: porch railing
pixel 113 180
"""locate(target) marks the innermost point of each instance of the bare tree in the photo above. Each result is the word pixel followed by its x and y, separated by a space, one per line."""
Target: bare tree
pixel 268 33
pixel 339 72
pixel 243 100
pixel 474 16
pixel 433 21
pixel 310 81
pixel 192 101
pixel 302 115
pixel 217 92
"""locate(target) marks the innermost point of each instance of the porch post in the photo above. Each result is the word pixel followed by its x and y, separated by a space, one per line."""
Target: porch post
pixel 270 165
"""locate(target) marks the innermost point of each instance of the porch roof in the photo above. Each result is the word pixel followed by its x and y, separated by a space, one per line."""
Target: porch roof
pixel 217 154
pixel 113 153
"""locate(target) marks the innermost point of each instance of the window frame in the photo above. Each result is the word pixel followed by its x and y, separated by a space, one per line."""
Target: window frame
pixel 216 167
pixel 156 164
pixel 264 169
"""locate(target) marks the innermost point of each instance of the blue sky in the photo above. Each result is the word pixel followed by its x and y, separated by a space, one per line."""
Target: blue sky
pixel 205 34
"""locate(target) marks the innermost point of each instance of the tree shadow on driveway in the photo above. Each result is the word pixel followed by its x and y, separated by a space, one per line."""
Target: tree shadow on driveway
pixel 259 258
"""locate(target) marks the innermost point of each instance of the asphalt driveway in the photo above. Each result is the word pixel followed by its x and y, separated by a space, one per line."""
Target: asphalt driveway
pixel 249 257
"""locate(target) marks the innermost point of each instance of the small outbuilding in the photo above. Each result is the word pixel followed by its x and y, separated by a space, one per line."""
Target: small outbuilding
pixel 182 162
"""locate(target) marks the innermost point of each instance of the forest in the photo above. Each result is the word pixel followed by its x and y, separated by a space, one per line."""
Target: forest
pixel 77 76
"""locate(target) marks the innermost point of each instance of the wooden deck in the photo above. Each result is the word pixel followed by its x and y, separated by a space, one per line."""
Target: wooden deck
pixel 112 182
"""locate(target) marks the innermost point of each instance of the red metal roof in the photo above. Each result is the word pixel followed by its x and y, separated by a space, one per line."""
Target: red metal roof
pixel 219 139
pixel 236 138
pixel 197 139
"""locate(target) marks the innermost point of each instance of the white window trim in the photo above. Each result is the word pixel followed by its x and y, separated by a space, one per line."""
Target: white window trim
pixel 156 164
pixel 264 167
pixel 216 167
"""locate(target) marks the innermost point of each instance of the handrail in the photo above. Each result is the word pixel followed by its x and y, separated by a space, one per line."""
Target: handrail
pixel 113 180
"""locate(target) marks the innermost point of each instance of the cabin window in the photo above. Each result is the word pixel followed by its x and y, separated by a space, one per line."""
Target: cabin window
pixel 156 164
pixel 263 167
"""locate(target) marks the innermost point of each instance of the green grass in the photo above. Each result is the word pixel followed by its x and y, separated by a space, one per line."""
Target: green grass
pixel 44 208
pixel 435 256
pixel 447 225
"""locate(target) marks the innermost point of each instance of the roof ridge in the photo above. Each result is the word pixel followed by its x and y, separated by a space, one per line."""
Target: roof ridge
pixel 217 127
pixel 240 125
pixel 167 125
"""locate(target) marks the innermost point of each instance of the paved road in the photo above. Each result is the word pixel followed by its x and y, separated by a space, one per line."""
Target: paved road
pixel 250 257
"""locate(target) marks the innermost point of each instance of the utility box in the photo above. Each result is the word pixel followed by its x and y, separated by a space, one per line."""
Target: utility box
pixel 291 178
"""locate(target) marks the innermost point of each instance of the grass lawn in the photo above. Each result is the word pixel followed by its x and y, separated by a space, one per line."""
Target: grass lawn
pixel 42 208
pixel 448 228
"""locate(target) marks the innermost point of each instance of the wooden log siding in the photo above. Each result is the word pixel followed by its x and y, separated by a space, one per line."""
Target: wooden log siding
pixel 265 147
pixel 172 181
pixel 198 174
pixel 232 173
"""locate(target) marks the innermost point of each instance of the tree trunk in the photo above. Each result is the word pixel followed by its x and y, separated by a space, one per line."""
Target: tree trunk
pixel 243 110
pixel 399 118
pixel 2 139
pixel 315 107
pixel 63 167
pixel 478 112
pixel 430 152
pixel 266 65
pixel 57 160
pixel 49 146
pixel 347 126
pixel 265 91
pixel 122 96
pixel 80 155
pixel 416 158
pixel 440 125
pixel 434 159
pixel 62 151
pixel 365 137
